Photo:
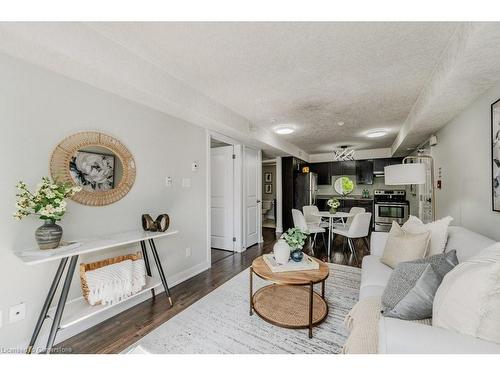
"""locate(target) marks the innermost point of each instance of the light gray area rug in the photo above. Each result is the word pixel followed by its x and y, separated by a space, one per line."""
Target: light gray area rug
pixel 220 322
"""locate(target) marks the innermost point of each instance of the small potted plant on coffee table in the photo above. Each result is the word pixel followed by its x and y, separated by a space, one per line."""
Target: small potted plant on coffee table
pixel 296 239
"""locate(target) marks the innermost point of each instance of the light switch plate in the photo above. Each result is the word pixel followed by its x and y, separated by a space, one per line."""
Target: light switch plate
pixel 17 312
pixel 168 181
pixel 186 182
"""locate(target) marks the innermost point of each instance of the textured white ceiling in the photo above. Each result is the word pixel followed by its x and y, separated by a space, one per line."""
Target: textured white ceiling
pixel 312 75
pixel 234 78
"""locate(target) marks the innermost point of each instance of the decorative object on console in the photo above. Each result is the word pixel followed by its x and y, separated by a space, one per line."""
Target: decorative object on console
pixel 148 224
pixel 110 280
pixel 344 185
pixel 161 223
pixel 48 202
pixel 438 230
pixel 296 239
pixel 333 203
pixel 468 299
pixel 404 247
pixel 495 154
pixel 98 163
pixel 411 288
pixel 281 252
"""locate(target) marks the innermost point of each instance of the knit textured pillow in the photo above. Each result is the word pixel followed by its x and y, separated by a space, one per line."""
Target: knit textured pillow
pixel 410 292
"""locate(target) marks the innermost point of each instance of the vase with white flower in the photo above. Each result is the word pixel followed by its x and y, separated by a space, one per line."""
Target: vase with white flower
pixel 333 203
pixel 48 202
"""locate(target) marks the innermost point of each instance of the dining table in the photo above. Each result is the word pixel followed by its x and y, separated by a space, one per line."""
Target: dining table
pixel 339 216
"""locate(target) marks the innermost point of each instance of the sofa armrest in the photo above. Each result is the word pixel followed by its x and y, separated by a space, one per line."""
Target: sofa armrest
pixel 377 242
pixel 398 336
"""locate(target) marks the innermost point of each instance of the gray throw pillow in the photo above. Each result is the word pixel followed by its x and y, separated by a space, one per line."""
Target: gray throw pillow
pixel 411 288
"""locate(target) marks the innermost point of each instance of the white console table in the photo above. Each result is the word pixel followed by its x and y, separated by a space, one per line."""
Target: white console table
pixel 78 309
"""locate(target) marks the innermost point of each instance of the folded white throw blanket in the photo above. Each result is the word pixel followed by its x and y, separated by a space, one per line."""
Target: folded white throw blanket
pixel 111 284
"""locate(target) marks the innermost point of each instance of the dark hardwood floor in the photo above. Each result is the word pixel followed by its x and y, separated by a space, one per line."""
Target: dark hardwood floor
pixel 119 332
pixel 218 254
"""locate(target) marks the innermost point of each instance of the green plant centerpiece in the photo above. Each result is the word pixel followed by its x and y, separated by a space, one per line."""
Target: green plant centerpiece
pixel 333 203
pixel 48 202
pixel 296 239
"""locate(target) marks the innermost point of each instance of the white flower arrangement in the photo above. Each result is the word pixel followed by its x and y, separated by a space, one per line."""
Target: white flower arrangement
pixel 333 203
pixel 47 202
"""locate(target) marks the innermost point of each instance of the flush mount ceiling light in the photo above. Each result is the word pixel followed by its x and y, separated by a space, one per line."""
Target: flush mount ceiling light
pixel 285 129
pixel 376 133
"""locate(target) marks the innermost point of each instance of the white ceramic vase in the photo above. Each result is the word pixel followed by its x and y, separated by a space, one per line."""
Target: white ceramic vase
pixel 281 252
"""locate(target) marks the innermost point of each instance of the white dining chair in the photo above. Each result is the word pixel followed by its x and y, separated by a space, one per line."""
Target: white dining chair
pixel 311 214
pixel 299 221
pixel 347 224
pixel 359 228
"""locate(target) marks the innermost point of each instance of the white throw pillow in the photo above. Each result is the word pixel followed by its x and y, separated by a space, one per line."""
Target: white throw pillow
pixel 438 229
pixel 468 299
pixel 402 246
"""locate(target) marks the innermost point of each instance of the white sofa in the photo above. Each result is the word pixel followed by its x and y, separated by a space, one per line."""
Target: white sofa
pixel 400 336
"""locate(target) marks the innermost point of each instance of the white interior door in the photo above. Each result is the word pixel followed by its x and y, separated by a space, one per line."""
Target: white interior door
pixel 221 191
pixel 251 196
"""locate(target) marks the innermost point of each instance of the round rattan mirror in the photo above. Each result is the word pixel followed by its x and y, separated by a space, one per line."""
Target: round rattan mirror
pixel 99 163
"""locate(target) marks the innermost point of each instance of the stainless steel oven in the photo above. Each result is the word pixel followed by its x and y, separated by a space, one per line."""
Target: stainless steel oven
pixel 390 205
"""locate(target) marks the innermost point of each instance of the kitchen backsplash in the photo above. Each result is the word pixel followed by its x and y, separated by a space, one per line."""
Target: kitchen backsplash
pixel 378 183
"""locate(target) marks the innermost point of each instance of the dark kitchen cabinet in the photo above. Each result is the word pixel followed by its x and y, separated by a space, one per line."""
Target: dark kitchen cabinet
pixel 364 172
pixel 323 171
pixel 348 168
pixel 336 168
pixel 380 164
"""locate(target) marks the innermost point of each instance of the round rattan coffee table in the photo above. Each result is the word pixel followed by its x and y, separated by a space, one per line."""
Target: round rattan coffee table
pixel 291 301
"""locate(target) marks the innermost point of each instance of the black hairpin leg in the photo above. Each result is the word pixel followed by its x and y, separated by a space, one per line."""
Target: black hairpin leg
pixel 160 270
pixel 146 263
pixel 62 302
pixel 46 305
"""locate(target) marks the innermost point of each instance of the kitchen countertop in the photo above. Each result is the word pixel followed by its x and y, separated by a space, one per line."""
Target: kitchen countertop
pixel 348 197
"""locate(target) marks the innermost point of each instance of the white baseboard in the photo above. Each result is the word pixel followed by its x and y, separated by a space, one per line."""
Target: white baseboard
pixel 107 314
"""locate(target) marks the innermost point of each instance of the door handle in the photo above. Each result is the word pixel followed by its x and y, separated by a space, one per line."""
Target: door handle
pixel 258 201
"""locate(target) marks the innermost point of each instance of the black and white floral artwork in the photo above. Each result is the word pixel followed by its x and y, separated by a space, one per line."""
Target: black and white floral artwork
pixel 93 171
pixel 495 154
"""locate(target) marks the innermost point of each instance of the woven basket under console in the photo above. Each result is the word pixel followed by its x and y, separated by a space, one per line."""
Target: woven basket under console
pixel 84 267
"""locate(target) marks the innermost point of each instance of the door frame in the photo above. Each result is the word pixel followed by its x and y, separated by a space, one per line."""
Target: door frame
pixel 237 192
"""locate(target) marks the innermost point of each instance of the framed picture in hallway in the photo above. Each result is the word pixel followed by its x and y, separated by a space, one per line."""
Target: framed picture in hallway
pixel 268 177
pixel 269 189
pixel 495 155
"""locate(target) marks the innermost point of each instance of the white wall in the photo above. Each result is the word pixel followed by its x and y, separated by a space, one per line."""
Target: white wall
pixel 37 110
pixel 464 155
